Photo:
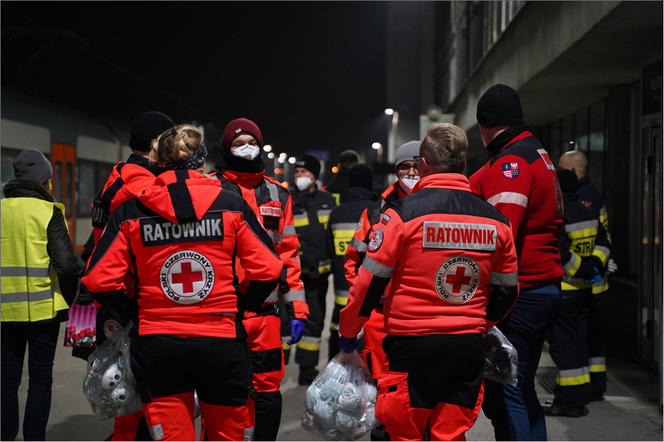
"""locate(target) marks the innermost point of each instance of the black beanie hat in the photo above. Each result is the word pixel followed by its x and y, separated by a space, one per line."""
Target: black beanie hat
pixel 360 176
pixel 147 127
pixel 568 180
pixel 499 106
pixel 32 165
pixel 310 163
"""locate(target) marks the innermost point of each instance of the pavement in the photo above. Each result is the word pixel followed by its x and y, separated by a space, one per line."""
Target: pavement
pixel 631 409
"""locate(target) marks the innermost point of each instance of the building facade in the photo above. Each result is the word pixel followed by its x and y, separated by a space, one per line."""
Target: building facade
pixel 589 75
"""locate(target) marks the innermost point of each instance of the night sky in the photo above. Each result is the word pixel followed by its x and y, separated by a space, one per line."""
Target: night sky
pixel 310 74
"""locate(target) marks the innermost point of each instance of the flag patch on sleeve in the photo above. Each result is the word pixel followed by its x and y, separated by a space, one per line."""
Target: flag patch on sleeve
pixel 511 169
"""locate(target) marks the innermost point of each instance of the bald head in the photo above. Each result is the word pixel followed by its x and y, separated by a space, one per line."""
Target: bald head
pixel 574 160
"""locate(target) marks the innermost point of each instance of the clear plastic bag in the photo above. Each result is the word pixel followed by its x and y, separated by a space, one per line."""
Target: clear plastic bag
pixel 500 358
pixel 341 402
pixel 109 385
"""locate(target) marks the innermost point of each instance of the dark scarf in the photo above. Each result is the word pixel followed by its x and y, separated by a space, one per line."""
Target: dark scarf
pixel 27 189
pixel 229 161
pixel 505 137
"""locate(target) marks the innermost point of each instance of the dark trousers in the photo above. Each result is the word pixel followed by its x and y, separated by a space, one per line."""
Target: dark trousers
pixel 596 349
pixel 308 349
pixel 515 412
pixel 569 349
pixel 168 369
pixel 41 341
pixel 268 414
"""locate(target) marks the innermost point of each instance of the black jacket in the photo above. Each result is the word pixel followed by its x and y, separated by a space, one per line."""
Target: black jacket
pixel 311 211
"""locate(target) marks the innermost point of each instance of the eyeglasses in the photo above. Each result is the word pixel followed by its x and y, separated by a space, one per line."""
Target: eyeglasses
pixel 403 167
pixel 417 159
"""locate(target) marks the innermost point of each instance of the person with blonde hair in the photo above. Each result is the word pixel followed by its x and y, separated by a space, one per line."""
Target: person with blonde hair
pixel 183 237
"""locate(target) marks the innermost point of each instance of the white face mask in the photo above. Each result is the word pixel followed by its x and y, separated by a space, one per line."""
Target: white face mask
pixel 247 151
pixel 407 182
pixel 303 183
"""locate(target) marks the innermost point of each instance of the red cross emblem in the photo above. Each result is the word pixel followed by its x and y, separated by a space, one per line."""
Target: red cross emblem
pixel 187 277
pixel 457 279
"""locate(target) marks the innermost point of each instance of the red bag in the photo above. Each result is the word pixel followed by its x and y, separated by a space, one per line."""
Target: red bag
pixel 81 330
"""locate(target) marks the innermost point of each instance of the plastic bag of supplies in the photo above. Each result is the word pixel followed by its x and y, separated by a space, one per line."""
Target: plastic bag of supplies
pixel 341 402
pixel 109 385
pixel 500 358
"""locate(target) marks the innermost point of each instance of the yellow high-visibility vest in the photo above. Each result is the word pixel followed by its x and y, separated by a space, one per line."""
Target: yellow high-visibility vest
pixel 28 290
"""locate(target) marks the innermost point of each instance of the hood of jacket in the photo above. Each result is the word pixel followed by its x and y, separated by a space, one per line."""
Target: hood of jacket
pixel 361 194
pixel 27 189
pixel 181 196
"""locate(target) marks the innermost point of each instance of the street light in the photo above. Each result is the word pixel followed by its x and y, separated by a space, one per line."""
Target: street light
pixel 392 137
pixel 379 151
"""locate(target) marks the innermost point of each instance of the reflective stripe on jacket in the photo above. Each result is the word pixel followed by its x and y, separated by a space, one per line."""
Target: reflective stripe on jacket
pixel 29 284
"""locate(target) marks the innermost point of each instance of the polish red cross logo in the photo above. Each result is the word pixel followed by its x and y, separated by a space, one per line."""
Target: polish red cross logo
pixel 457 279
pixel 187 277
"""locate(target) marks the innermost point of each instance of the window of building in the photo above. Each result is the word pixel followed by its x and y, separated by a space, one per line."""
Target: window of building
pixel 597 144
pixel 91 177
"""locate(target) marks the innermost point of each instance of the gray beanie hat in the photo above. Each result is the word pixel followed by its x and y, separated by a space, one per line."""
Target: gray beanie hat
pixel 407 151
pixel 32 165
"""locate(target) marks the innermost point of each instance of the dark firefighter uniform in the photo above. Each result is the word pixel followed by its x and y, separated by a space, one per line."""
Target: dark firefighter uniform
pixel 584 248
pixel 183 237
pixel 591 197
pixel 451 261
pixel 344 223
pixel 311 211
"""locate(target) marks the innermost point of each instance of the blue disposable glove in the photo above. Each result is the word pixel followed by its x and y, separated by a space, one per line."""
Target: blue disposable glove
pixel 347 344
pixel 596 278
pixel 296 331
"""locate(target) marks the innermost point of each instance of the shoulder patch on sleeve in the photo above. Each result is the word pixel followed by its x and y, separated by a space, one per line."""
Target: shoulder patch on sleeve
pixel 510 169
pixel 376 240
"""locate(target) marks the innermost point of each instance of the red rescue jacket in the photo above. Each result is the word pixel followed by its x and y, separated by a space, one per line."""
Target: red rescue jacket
pixel 449 258
pixel 273 207
pixel 182 238
pixel 520 181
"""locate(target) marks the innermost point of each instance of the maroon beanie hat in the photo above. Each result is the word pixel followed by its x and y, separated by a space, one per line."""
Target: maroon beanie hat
pixel 234 128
